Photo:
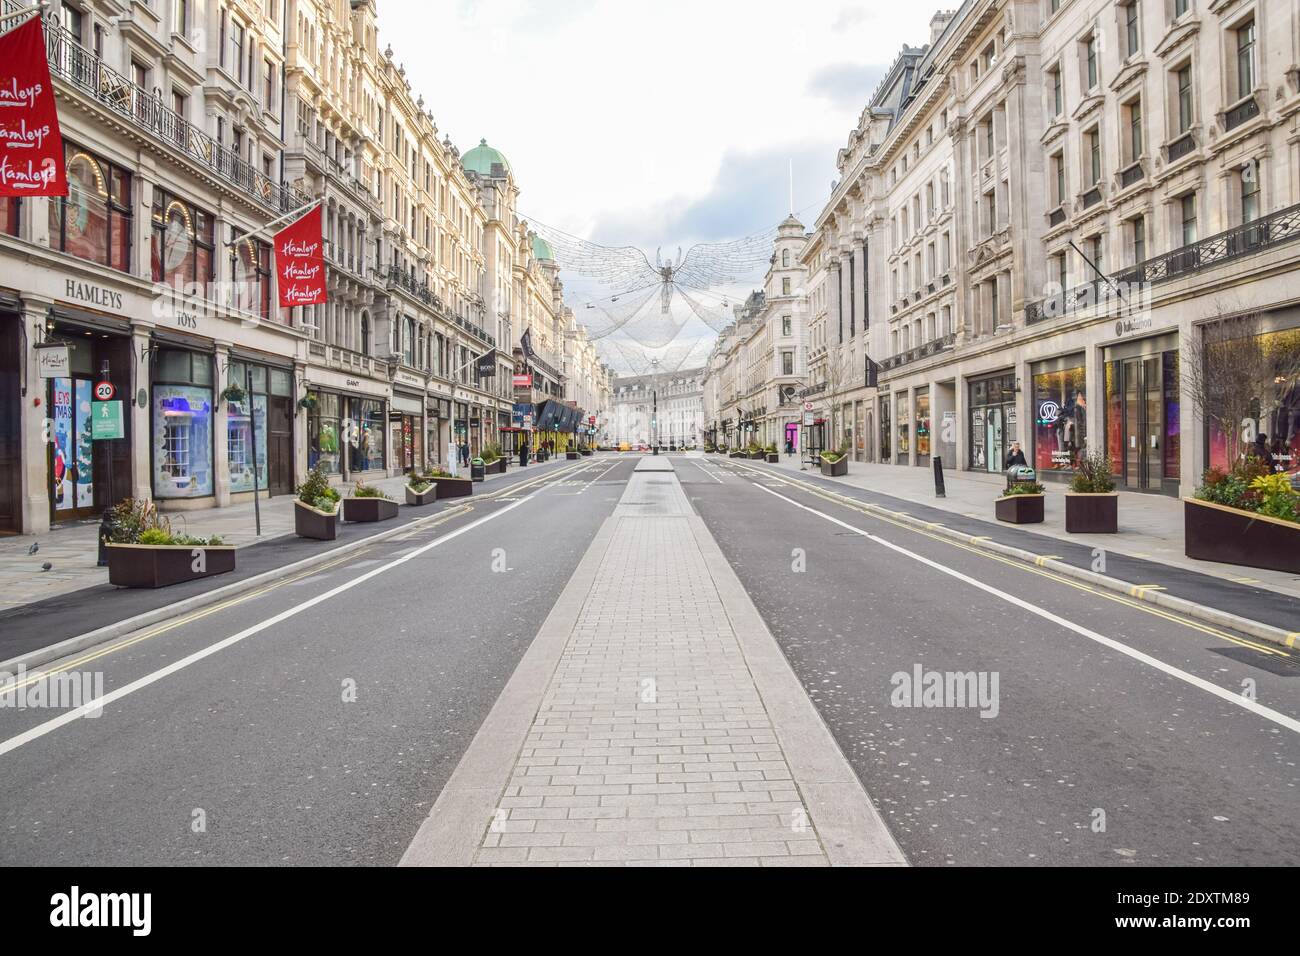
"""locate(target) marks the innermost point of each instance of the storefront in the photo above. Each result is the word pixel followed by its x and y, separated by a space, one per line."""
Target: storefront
pixel 182 423
pixel 1142 413
pixel 1274 412
pixel 345 431
pixel 78 466
pixel 992 420
pixel 11 378
pixel 1060 414
pixel 438 416
pixel 923 427
pixel 408 439
pixel 902 427
pixel 267 412
pixel 886 433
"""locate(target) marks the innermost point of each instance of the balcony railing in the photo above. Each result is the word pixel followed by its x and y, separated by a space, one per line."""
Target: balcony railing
pixel 88 74
pixel 1267 232
pixel 403 280
pixel 1181 147
pixel 1092 197
pixel 1056 216
pixel 1134 174
pixel 933 347
pixel 1245 110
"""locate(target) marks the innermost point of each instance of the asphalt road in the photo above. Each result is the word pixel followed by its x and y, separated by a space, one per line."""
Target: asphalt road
pixel 1106 709
pixel 317 734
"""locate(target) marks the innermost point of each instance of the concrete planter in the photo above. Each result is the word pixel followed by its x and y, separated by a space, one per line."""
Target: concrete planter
pixel 835 469
pixel 1233 536
pixel 738 454
pixel 309 522
pixel 160 566
pixel 497 467
pixel 1092 513
pixel 368 510
pixel 571 456
pixel 418 499
pixel 773 458
pixel 586 453
pixel 453 487
pixel 1020 509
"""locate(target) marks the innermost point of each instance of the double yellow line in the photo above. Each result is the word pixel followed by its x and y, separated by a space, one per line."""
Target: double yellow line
pixel 104 651
pixel 854 505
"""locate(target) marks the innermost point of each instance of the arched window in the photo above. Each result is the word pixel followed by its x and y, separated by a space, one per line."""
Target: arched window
pixel 409 353
pixel 365 334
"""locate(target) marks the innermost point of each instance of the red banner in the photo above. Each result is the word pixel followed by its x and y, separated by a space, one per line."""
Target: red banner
pixel 31 146
pixel 300 262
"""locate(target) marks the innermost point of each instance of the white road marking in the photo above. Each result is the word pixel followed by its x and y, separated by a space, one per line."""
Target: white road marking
pixel 708 472
pixel 1245 703
pixel 94 706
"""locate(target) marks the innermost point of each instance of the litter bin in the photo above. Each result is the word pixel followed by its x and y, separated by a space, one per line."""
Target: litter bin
pixel 1019 473
pixel 476 469
pixel 523 457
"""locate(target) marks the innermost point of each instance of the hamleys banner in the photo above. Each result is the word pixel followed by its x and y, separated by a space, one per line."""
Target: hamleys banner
pixel 31 146
pixel 300 262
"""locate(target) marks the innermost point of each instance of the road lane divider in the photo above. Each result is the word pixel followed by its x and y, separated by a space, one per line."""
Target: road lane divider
pixel 1232 697
pixel 1276 636
pixel 97 705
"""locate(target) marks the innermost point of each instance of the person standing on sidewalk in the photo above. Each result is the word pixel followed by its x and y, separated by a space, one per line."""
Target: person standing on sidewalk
pixel 464 452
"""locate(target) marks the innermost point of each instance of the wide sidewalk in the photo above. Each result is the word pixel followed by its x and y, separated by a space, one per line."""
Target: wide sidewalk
pixel 1150 526
pixel 72 549
pixel 653 721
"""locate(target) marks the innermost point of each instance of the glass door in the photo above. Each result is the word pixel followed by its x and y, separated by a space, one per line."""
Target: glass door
pixel 1153 397
pixel 996 454
pixel 1133 432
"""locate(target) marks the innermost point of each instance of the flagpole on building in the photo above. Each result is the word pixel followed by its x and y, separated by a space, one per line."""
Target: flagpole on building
pixel 25 11
pixel 275 222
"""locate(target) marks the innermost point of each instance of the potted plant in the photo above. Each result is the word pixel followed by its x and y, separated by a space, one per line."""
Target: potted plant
pixel 754 452
pixel 834 463
pixel 494 463
pixel 1244 516
pixel 1092 503
pixel 368 504
pixel 316 509
pixel 143 552
pixel 308 402
pixel 233 394
pixel 773 456
pixel 420 492
pixel 1022 503
pixel 738 453
pixel 572 454
pixel 450 486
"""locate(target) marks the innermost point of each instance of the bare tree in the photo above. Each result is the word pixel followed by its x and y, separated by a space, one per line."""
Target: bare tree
pixel 1237 373
pixel 839 380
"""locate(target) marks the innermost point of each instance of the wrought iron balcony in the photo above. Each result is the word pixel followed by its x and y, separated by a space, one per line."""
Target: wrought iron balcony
pixel 1092 197
pixel 1261 234
pixel 1181 147
pixel 1245 110
pixel 933 347
pixel 1134 174
pixel 89 76
pixel 1056 216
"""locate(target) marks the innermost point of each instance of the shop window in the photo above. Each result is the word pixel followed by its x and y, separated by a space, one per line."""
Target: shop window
pixel 370 421
pixel 1274 414
pixel 242 419
pixel 1060 419
pixel 324 430
pixel 93 221
pixel 182 425
pixel 182 242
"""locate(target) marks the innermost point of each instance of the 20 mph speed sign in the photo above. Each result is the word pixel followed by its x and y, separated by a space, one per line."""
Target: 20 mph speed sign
pixel 104 391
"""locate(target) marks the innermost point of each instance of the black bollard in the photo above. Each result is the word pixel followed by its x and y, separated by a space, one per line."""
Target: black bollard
pixel 939 490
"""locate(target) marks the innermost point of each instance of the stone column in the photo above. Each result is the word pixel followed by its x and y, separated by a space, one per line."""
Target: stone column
pixel 221 426
pixel 32 424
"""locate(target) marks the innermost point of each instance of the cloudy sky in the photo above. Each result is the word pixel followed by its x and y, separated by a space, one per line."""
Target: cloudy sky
pixel 658 123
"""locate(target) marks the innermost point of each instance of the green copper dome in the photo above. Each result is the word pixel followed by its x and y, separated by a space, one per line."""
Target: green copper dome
pixel 482 158
pixel 542 249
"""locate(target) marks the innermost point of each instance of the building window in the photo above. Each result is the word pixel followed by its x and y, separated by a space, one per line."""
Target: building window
pixel 9 206
pixel 1092 141
pixel 1184 81
pixel 1090 59
pixel 785 325
pixel 1249 192
pixel 93 221
pixel 785 258
pixel 1134 130
pixel 1132 40
pixel 250 264
pixel 182 424
pixel 787 363
pixel 1181 7
pixel 1058 92
pixel 182 242
pixel 181 17
pixel 1245 59
pixel 1187 208
pixel 268 84
pixel 1139 232
pixel 785 286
